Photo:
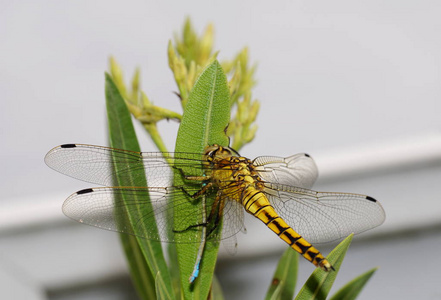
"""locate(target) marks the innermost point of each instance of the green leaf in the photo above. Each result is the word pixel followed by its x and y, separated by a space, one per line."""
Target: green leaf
pixel 145 257
pixel 174 271
pixel 351 290
pixel 161 289
pixel 205 118
pixel 320 282
pixel 285 277
pixel 275 293
pixel 216 292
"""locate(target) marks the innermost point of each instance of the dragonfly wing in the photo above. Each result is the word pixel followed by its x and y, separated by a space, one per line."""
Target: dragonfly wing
pixel 230 245
pixel 107 208
pixel 97 164
pixel 232 223
pixel 296 170
pixel 324 217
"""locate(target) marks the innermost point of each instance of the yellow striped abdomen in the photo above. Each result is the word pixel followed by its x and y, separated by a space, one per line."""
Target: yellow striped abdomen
pixel 257 204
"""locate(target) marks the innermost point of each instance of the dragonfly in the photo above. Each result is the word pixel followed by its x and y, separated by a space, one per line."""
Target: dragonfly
pixel 276 190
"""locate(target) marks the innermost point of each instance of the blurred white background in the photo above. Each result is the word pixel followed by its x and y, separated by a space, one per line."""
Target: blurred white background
pixel 354 83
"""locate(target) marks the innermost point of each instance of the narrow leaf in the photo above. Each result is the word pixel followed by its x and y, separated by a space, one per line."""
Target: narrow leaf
pixel 161 289
pixel 320 282
pixel 174 271
pixel 140 252
pixel 351 290
pixel 216 290
pixel 276 293
pixel 285 277
pixel 205 118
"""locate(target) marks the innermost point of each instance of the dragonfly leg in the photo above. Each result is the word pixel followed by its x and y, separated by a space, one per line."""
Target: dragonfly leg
pixel 218 202
pixel 191 177
pixel 190 227
pixel 196 195
pixel 197 178
pixel 215 213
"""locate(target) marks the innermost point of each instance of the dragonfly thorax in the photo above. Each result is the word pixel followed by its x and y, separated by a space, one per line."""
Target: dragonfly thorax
pixel 231 173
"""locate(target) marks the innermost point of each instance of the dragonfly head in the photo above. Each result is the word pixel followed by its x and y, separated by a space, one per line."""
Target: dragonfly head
pixel 219 152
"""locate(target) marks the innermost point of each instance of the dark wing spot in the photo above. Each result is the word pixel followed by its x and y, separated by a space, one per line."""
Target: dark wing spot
pixel 85 191
pixel 370 199
pixel 68 146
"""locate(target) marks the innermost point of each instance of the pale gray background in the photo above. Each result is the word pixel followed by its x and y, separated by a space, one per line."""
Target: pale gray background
pixel 333 76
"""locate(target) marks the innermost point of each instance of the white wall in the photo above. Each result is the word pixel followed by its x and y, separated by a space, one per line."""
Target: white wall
pixel 332 75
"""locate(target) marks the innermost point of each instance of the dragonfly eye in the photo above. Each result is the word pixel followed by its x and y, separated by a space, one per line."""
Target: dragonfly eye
pixel 211 150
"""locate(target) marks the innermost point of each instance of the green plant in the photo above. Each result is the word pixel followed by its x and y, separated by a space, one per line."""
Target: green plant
pixel 207 97
pixel 319 283
pixel 187 58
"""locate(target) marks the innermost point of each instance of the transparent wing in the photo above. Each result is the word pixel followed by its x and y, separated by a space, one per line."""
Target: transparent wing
pixel 104 207
pixel 297 170
pixel 107 208
pixel 96 164
pixel 232 223
pixel 324 217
